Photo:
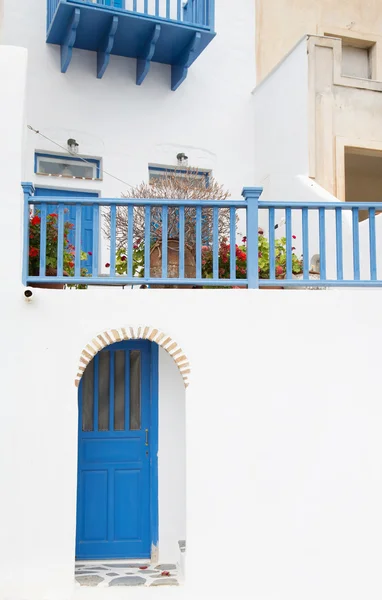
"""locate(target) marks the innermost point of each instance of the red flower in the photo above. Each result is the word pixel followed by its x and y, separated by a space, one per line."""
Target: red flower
pixel 107 265
pixel 90 253
pixel 71 264
pixel 36 220
pixel 33 252
pixel 279 270
pixel 135 247
pixel 293 248
pixel 165 573
pixel 260 231
pixel 123 258
pixel 53 215
pixel 245 239
pixel 294 237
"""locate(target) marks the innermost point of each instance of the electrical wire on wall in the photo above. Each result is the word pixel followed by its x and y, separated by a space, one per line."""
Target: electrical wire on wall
pixel 37 132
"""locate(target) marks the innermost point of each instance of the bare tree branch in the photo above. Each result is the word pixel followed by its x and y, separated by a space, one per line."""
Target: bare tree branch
pixel 186 184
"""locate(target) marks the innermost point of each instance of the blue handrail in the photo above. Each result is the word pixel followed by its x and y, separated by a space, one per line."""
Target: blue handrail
pixel 347 247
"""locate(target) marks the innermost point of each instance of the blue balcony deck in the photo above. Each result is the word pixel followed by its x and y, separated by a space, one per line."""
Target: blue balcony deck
pixel 162 31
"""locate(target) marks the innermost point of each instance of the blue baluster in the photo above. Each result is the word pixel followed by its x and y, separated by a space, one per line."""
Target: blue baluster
pixel 232 242
pixel 322 238
pixel 355 223
pixel 305 242
pixel 215 243
pixel 157 8
pixel 164 240
pixel 77 265
pixel 272 255
pixel 339 248
pixel 181 242
pixel 146 7
pixel 135 5
pixel 130 239
pixel 28 190
pixel 211 14
pixel 168 9
pixel 95 265
pixel 60 241
pixel 179 10
pixel 288 235
pixel 43 239
pixel 252 196
pixel 147 241
pixel 113 238
pixel 198 235
pixel 372 245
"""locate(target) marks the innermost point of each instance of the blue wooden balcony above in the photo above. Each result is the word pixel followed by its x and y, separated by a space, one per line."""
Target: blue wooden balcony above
pixel 170 32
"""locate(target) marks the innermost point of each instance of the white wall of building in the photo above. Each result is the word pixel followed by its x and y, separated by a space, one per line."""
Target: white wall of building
pixel 210 117
pixel 171 458
pixel 281 120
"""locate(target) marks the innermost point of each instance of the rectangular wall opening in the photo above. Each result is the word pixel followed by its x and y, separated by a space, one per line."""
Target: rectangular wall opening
pixel 363 177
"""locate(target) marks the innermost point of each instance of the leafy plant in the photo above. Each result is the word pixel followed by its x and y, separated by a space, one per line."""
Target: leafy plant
pixel 241 259
pixel 51 251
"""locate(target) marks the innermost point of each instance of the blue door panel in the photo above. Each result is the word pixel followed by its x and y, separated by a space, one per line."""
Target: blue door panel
pixel 113 497
pixel 70 217
pixel 94 523
pixel 127 485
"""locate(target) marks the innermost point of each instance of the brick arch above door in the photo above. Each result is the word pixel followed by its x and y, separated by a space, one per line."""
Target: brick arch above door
pixel 142 332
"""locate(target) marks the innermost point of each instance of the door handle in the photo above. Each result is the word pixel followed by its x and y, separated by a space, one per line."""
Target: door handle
pixel 147 437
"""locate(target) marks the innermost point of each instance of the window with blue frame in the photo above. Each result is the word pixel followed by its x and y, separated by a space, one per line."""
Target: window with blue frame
pixel 200 177
pixel 161 171
pixel 71 167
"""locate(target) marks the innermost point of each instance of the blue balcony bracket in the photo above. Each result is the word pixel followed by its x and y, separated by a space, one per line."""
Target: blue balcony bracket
pixel 70 40
pixel 143 63
pixel 180 69
pixel 103 53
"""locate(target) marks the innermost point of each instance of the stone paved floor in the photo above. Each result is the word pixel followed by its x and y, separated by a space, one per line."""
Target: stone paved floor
pixel 124 573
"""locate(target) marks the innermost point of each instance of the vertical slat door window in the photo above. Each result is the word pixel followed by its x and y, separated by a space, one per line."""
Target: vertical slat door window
pixel 119 391
pixel 88 398
pixel 103 391
pixel 111 392
pixel 135 390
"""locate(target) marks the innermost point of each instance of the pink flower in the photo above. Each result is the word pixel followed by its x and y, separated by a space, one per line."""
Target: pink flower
pixel 205 248
pixel 90 253
pixel 294 237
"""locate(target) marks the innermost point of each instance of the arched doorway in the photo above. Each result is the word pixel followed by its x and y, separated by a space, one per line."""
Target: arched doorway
pixel 117 496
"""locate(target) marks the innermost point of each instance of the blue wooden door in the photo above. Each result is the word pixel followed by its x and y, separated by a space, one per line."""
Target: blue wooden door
pixel 70 216
pixel 113 497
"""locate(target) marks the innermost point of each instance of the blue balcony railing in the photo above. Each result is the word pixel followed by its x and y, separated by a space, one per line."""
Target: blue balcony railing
pixel 348 248
pixel 171 32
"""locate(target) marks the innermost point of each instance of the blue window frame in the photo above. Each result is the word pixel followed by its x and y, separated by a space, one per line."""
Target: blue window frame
pixel 72 167
pixel 157 172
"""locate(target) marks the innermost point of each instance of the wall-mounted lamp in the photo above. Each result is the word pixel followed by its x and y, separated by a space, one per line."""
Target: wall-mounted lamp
pixel 182 159
pixel 72 146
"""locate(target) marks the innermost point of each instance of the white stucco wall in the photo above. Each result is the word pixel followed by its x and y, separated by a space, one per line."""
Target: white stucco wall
pixel 281 120
pixel 171 458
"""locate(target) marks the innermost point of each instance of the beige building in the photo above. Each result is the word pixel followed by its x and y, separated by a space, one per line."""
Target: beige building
pixel 280 24
pixel 319 97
